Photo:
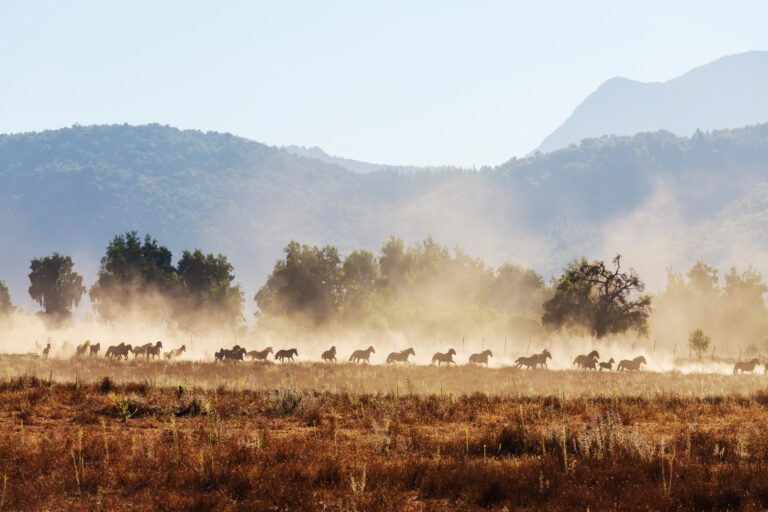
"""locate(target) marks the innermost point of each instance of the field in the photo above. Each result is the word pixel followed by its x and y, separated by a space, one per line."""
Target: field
pixel 204 436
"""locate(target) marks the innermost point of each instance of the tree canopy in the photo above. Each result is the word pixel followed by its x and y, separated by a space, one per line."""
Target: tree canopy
pixel 55 285
pixel 6 306
pixel 730 309
pixel 140 274
pixel 130 270
pixel 207 285
pixel 600 299
pixel 424 287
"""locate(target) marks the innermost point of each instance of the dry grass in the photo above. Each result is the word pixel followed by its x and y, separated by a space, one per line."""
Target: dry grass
pixel 270 442
pixel 413 379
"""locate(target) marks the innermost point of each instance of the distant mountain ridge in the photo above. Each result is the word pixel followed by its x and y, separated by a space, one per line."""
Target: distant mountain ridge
pixel 71 190
pixel 726 93
pixel 358 166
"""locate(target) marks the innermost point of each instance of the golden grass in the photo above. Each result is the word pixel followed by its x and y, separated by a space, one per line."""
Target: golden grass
pixel 264 437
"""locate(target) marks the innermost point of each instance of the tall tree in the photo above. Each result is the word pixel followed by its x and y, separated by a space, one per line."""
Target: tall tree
pixel 393 262
pixel 517 290
pixel 130 270
pixel 55 285
pixel 603 300
pixel 6 306
pixel 307 281
pixel 360 271
pixel 208 288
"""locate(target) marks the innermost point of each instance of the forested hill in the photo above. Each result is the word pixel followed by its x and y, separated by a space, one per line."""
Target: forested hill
pixel 72 189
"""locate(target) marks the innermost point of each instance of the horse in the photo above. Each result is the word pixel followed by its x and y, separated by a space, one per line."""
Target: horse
pixel 141 350
pixel 282 355
pixel 154 350
pixel 607 366
pixel 582 359
pixel 173 354
pixel 746 366
pixel 259 355
pixel 46 351
pixel 400 357
pixel 94 349
pixel 119 351
pixel 236 353
pixel 481 358
pixel 362 355
pixel 590 364
pixel 82 349
pixel 329 356
pixel 633 365
pixel 446 358
pixel 148 349
pixel 533 361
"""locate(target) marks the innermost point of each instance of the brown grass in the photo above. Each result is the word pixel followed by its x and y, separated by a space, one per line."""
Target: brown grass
pixel 138 446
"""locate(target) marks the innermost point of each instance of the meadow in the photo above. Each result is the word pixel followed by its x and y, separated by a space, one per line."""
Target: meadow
pixel 95 435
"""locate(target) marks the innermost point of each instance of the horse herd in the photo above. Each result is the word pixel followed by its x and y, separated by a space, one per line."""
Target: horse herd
pixel 122 351
pixel 590 361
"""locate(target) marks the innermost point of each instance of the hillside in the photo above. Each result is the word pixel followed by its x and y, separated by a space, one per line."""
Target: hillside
pixel 358 165
pixel 726 93
pixel 71 190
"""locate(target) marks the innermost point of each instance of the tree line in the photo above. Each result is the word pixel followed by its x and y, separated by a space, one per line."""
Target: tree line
pixel 419 288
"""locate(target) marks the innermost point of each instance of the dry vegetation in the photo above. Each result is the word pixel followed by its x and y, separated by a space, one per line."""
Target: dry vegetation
pixel 266 437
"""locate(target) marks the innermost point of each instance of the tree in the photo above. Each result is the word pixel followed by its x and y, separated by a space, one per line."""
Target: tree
pixel 208 289
pixel 130 271
pixel 602 300
pixel 55 285
pixel 517 290
pixel 361 270
pixel 6 306
pixel 308 281
pixel 393 262
pixel 698 341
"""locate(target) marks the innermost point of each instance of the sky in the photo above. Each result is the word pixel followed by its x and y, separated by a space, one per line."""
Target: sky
pixel 414 82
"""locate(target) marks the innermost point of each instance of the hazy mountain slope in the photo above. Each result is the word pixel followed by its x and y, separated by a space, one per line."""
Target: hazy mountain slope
pixel 726 93
pixel 71 190
pixel 358 165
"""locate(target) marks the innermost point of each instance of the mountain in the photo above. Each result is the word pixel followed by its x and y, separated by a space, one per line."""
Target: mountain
pixel 657 198
pixel 358 165
pixel 726 93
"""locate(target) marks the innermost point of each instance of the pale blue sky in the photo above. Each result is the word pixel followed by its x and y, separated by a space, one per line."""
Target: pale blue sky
pixel 431 82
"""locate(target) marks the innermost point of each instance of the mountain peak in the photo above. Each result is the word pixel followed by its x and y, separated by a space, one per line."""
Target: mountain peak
pixel 726 93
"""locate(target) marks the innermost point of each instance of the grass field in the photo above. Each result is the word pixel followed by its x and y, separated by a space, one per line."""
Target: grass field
pixel 306 437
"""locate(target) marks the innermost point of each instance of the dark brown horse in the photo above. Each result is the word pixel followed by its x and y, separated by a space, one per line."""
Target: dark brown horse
pixel 282 355
pixel 329 356
pixel 583 360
